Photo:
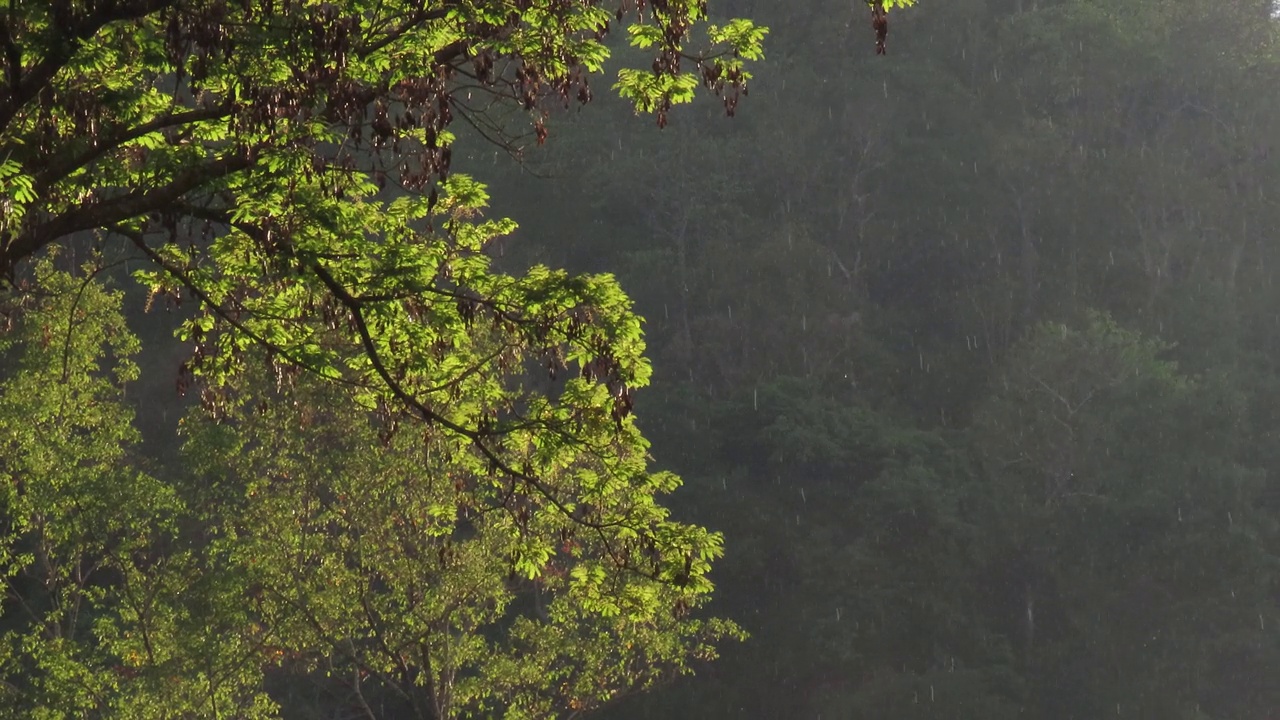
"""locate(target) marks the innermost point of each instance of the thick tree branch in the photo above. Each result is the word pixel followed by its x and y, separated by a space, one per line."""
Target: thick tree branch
pixel 62 167
pixel 24 86
pixel 111 212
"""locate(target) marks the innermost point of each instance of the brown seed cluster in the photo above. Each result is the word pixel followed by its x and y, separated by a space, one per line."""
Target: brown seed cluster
pixel 879 23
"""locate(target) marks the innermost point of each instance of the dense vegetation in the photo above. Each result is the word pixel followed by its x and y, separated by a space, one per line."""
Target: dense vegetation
pixel 413 484
pixel 971 351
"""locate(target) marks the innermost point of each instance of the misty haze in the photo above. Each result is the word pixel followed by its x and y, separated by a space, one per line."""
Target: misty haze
pixel 626 359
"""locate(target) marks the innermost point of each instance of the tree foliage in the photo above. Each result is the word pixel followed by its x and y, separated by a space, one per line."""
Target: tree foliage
pixel 108 611
pixel 397 574
pixel 288 167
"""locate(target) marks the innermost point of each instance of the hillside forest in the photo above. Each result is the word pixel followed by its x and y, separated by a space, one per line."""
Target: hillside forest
pixel 460 359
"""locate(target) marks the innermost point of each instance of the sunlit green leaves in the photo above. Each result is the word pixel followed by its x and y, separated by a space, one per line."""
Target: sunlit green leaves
pixel 650 92
pixel 420 560
pixel 645 36
pixel 287 168
pixel 745 37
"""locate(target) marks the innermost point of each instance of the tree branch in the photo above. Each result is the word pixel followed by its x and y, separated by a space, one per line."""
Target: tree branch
pixel 203 297
pixel 116 210
pixel 415 20
pixel 59 169
pixel 26 86
pixel 12 54
pixel 477 437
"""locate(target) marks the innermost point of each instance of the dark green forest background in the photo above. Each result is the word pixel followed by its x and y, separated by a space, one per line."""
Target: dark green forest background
pixel 970 350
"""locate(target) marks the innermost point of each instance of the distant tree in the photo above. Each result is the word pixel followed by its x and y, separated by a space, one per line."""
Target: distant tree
pixel 1130 552
pixel 106 611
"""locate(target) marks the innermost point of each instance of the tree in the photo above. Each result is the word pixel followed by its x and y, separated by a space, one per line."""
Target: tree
pixel 392 574
pixel 106 609
pixel 1130 550
pixel 287 165
pixel 289 168
pixel 316 549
